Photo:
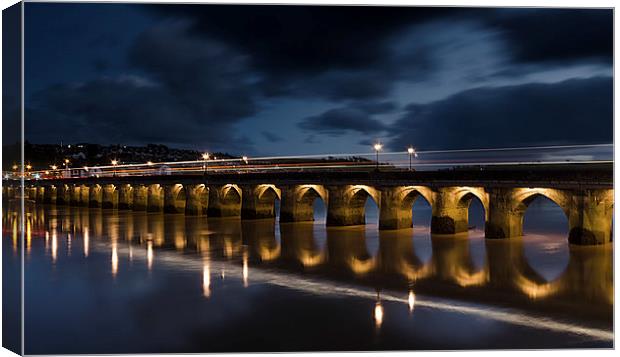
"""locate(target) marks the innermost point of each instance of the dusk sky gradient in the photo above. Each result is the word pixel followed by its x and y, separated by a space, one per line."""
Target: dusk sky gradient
pixel 267 80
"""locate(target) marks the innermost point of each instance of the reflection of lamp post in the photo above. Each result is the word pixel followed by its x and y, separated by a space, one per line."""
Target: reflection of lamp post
pixel 205 157
pixel 377 147
pixel 411 300
pixel 378 312
pixel 411 152
pixel 114 163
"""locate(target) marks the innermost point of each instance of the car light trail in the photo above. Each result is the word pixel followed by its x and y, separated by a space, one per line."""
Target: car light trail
pixel 360 161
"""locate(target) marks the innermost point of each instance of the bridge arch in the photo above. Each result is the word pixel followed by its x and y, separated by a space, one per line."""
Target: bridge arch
pixel 298 202
pixel 196 199
pixel 155 198
pixel 225 201
pixel 466 196
pixel 524 197
pixel 259 201
pixel 110 196
pixel 231 194
pixel 409 194
pixel 175 198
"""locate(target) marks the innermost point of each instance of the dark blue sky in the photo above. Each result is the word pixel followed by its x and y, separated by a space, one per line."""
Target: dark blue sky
pixel 295 79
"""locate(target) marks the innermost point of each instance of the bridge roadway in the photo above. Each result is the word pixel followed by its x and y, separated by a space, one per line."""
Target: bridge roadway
pixel 584 192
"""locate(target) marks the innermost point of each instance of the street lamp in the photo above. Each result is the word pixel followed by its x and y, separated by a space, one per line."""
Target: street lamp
pixel 378 148
pixel 412 153
pixel 114 163
pixel 205 157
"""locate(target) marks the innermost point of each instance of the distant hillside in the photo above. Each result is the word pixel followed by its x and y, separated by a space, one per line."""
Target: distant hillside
pixel 41 156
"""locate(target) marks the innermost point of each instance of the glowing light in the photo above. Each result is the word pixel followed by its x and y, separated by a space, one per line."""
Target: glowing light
pixel 378 147
pixel 378 314
pixel 245 159
pixel 410 150
pixel 28 166
pixel 66 161
pixel 54 167
pixel 54 245
pixel 114 162
pixel 14 167
pixel 149 254
pixel 47 172
pixel 86 238
pixel 245 269
pixel 85 168
pixel 411 300
pixel 205 156
pixel 28 236
pixel 150 163
pixel 206 279
pixel 114 259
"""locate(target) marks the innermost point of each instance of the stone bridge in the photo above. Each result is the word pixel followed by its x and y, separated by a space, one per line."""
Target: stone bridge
pixel 586 197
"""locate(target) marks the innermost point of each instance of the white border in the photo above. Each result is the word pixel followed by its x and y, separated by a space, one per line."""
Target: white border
pixel 480 3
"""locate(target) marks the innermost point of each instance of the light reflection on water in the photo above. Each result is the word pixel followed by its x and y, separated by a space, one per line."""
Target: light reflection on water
pixel 538 273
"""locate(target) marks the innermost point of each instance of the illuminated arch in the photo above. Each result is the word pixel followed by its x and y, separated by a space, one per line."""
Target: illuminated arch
pixel 230 194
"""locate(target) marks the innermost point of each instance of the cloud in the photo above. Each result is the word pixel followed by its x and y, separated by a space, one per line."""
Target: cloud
pixel 556 35
pixel 272 137
pixel 191 91
pixel 574 111
pixel 338 121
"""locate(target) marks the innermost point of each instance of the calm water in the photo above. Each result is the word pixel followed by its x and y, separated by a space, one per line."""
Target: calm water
pixel 102 281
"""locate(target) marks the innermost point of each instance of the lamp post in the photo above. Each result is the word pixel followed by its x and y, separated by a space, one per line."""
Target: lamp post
pixel 377 148
pixel 205 157
pixel 114 163
pixel 244 159
pixel 67 167
pixel 411 152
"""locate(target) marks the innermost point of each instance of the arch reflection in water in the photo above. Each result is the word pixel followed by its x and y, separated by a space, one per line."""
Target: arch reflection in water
pixel 206 278
pixel 86 240
pixel 452 271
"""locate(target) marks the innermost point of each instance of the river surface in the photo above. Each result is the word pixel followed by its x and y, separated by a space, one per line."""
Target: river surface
pixel 107 281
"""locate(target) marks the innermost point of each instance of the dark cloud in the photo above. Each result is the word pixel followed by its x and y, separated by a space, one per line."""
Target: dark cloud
pixel 556 35
pixel 574 111
pixel 272 137
pixel 191 91
pixel 313 39
pixel 338 121
pixel 123 110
